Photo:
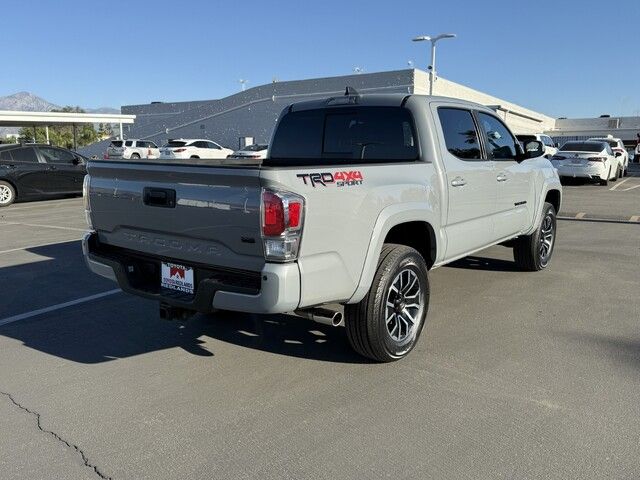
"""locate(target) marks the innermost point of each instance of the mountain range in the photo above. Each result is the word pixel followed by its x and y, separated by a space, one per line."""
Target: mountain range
pixel 28 102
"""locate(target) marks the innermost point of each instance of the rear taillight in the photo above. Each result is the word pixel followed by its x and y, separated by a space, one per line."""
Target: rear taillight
pixel 178 150
pixel 597 159
pixel 86 185
pixel 282 220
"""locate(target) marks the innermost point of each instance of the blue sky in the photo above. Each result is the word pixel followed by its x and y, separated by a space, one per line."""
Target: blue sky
pixel 565 58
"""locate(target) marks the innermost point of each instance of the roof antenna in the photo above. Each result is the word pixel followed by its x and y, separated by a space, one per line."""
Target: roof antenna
pixel 350 91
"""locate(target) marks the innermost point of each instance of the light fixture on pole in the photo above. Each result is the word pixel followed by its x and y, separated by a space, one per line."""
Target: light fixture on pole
pixel 432 67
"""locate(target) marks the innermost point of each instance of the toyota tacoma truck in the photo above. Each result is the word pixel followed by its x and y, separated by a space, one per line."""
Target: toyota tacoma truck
pixel 360 196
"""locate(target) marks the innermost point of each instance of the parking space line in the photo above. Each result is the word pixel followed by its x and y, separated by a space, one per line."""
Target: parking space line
pixel 630 188
pixel 43 226
pixel 17 249
pixel 619 183
pixel 635 218
pixel 580 215
pixel 40 311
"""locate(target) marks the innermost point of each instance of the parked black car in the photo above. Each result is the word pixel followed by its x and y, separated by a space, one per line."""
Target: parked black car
pixel 30 171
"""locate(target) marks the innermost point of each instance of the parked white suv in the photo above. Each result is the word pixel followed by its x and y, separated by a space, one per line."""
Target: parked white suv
pixel 550 148
pixel 618 150
pixel 193 148
pixel 132 149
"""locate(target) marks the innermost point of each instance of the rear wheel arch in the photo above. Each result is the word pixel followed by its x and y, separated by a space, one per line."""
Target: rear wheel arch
pixel 395 224
pixel 13 184
pixel 419 235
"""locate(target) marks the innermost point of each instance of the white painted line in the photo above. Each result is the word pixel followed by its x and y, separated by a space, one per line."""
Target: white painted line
pixel 43 226
pixel 52 308
pixel 619 183
pixel 39 245
pixel 635 218
pixel 49 203
pixel 580 215
pixel 630 188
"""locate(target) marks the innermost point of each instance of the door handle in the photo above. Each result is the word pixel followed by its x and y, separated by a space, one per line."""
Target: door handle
pixel 502 177
pixel 458 182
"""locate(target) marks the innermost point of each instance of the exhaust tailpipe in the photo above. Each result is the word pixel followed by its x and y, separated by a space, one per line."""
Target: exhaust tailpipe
pixel 324 316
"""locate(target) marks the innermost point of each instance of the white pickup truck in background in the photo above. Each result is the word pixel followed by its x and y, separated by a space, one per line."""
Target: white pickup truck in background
pixel 358 198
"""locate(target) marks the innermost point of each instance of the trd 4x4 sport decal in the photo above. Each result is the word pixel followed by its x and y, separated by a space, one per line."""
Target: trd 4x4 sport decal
pixel 340 178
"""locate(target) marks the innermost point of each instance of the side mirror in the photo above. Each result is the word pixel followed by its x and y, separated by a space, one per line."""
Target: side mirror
pixel 532 149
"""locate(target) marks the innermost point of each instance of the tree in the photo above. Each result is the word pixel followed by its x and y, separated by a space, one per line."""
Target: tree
pixel 62 135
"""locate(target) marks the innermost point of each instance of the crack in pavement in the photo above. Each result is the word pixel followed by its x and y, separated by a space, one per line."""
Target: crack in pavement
pixel 85 460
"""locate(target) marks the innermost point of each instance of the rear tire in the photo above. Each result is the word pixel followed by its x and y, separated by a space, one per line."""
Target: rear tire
pixel 533 252
pixel 386 324
pixel 605 182
pixel 135 156
pixel 7 194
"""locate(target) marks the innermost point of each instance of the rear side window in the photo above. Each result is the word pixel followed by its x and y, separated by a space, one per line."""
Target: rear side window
pixel 5 154
pixel 345 135
pixel 460 134
pixel 26 154
pixel 116 143
pixel 128 143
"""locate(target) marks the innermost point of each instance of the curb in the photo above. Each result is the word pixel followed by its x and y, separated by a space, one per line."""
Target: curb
pixel 587 217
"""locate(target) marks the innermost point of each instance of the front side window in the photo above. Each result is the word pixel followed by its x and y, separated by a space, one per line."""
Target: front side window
pixel 128 143
pixel 345 135
pixel 500 143
pixel 213 145
pixel 460 134
pixel 54 155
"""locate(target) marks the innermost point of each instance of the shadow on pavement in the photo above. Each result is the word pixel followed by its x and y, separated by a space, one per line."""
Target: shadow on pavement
pixel 623 350
pixel 121 326
pixel 483 263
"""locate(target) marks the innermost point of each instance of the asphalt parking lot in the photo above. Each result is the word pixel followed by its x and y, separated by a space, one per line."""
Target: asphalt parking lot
pixel 619 200
pixel 518 375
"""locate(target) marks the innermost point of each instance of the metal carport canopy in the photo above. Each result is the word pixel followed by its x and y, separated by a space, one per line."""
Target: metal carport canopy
pixel 12 118
pixel 9 118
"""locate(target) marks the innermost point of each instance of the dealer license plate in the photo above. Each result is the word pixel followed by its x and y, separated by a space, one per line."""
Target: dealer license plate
pixel 177 277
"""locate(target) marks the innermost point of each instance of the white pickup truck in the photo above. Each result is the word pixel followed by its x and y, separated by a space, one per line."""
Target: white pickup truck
pixel 359 197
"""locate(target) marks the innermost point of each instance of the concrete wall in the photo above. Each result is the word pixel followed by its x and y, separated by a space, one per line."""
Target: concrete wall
pixel 519 119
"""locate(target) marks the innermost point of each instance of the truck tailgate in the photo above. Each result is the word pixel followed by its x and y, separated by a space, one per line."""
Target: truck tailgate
pixel 196 213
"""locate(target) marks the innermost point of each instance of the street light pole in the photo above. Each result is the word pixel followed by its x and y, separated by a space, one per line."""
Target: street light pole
pixel 432 67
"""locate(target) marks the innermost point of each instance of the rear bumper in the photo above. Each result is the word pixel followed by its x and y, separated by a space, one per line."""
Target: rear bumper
pixel 591 171
pixel 276 289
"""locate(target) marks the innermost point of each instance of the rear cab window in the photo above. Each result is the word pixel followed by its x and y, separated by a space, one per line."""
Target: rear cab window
pixel 349 135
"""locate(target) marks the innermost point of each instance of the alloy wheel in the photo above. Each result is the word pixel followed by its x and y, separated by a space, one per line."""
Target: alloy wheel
pixel 547 237
pixel 5 194
pixel 404 306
